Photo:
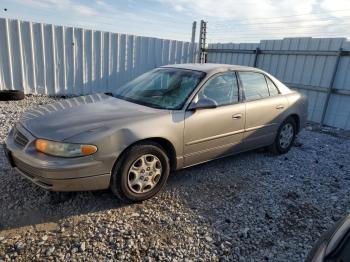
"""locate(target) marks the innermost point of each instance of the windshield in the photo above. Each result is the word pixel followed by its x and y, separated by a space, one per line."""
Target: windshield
pixel 166 88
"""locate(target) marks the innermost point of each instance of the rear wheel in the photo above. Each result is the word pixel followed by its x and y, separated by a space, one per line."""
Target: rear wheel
pixel 141 172
pixel 285 137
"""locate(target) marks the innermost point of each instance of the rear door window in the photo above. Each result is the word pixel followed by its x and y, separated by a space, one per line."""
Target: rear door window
pixel 254 85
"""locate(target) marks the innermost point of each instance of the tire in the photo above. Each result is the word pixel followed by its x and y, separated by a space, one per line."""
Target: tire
pixel 128 169
pixel 278 147
pixel 8 95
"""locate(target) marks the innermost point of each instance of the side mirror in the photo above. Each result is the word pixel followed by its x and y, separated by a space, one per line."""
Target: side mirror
pixel 203 103
pixel 334 245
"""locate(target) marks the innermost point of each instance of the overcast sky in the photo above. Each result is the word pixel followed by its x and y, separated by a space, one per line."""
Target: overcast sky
pixel 228 20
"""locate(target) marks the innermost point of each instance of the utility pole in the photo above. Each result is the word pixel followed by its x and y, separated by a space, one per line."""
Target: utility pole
pixel 192 53
pixel 202 40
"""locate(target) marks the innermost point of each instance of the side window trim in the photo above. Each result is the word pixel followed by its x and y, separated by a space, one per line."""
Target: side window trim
pixel 241 88
pixel 268 78
pixel 241 97
pixel 267 85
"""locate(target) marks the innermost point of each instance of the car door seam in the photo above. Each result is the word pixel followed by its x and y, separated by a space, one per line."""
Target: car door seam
pixel 258 127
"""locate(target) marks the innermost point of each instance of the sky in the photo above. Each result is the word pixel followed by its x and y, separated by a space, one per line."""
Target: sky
pixel 237 21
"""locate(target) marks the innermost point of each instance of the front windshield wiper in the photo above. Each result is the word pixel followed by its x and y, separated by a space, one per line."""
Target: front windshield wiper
pixel 139 102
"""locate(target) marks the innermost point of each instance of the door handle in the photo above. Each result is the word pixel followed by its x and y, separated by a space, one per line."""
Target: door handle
pixel 237 116
pixel 280 107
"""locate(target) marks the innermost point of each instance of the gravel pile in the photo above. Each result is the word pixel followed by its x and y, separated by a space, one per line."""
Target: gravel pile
pixel 250 207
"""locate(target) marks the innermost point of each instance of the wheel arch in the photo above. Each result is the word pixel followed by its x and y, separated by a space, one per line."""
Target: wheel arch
pixel 296 119
pixel 164 143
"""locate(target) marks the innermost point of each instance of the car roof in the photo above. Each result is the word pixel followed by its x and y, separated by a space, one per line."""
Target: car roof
pixel 212 68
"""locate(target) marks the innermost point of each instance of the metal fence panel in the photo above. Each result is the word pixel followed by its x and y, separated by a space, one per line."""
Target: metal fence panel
pixel 57 60
pixel 232 58
pixel 306 64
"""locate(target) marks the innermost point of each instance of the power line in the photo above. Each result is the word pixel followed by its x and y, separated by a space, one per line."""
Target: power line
pixel 278 28
pixel 280 22
pixel 253 31
pixel 266 37
pixel 259 38
pixel 304 34
pixel 277 17
pixel 282 34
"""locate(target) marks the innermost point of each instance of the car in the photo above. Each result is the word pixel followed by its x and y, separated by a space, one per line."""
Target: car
pixel 169 118
pixel 334 244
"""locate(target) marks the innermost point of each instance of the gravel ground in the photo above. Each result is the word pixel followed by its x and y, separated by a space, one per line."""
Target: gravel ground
pixel 250 207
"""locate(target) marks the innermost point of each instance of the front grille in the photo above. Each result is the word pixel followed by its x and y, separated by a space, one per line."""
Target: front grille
pixel 19 138
pixel 25 168
pixel 31 173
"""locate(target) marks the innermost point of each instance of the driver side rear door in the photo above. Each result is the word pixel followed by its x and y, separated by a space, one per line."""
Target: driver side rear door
pixel 215 132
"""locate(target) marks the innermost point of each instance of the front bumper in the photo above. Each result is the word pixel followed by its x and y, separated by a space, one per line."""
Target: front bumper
pixel 54 173
pixel 69 185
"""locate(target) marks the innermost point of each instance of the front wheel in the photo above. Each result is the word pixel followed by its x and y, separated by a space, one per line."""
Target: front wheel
pixel 141 172
pixel 285 137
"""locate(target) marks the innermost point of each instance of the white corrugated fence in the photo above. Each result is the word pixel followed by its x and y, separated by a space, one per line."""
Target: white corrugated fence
pixel 307 64
pixel 49 59
pixel 58 60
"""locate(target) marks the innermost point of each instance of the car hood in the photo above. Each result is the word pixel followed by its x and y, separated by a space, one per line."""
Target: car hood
pixel 70 117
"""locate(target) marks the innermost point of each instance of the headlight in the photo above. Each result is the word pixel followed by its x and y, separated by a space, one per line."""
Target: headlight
pixel 64 149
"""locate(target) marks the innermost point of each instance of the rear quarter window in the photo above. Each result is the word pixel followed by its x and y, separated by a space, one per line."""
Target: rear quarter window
pixel 272 87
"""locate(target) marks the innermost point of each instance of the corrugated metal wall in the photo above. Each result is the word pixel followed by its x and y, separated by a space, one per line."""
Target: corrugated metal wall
pixel 310 74
pixel 48 59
